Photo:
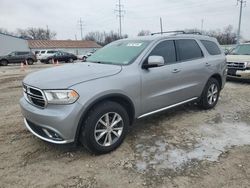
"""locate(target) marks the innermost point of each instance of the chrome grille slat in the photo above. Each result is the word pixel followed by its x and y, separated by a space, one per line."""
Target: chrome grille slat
pixel 35 96
pixel 236 65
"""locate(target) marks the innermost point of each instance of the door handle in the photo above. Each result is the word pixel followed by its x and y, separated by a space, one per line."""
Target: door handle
pixel 176 70
pixel 208 64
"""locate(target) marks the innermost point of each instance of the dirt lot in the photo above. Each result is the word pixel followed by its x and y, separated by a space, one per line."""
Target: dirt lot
pixel 184 147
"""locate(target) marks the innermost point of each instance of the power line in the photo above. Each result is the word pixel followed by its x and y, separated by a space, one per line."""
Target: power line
pixel 238 33
pixel 120 14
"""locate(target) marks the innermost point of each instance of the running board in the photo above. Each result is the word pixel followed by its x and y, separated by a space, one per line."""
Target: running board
pixel 168 107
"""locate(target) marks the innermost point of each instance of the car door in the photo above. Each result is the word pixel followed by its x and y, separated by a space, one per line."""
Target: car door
pixel 191 71
pixel 174 83
pixel 12 57
pixel 158 83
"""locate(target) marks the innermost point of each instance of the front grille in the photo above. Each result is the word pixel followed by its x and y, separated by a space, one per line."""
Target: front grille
pixel 236 65
pixel 34 96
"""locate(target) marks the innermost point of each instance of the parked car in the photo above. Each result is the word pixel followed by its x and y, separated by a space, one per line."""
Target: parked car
pixel 43 54
pixel 95 102
pixel 238 62
pixel 60 56
pixel 85 56
pixel 18 57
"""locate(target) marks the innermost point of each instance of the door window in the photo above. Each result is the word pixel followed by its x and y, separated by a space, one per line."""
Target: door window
pixel 211 47
pixel 166 49
pixel 188 49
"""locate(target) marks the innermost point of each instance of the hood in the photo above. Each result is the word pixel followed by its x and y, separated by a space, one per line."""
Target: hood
pixel 65 76
pixel 238 58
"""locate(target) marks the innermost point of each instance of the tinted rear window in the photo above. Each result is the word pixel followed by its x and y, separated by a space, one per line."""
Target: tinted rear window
pixel 211 47
pixel 188 49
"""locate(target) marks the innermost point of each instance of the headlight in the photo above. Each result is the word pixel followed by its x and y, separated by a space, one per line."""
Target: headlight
pixel 61 96
pixel 248 64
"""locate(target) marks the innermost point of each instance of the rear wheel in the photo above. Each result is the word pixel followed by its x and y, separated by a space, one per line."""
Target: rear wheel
pixel 30 61
pixel 210 94
pixel 105 127
pixel 4 62
pixel 71 60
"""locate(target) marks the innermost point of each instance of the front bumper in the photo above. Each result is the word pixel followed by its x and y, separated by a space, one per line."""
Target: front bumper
pixel 242 74
pixel 56 123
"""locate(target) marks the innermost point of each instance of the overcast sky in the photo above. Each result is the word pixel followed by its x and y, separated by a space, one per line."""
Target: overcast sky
pixel 62 16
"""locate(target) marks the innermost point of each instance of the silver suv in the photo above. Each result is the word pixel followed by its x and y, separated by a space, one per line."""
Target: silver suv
pixel 96 101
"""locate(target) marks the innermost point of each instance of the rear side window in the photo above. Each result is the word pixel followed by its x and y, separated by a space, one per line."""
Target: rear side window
pixel 166 49
pixel 50 52
pixel 188 49
pixel 211 47
pixel 42 52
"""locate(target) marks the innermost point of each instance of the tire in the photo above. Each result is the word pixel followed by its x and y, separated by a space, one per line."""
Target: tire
pixel 84 59
pixel 30 61
pixel 49 61
pixel 210 94
pixel 95 135
pixel 71 60
pixel 4 62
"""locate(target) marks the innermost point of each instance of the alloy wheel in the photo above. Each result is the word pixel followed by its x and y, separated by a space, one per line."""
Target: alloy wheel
pixel 108 129
pixel 212 94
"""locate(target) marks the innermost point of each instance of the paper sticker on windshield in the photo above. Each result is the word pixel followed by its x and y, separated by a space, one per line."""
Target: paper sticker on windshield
pixel 134 44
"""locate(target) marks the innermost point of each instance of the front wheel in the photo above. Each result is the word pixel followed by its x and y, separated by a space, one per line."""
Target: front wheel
pixel 4 62
pixel 210 94
pixel 105 127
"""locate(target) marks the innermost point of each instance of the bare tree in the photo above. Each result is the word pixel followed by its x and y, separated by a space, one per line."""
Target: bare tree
pixel 103 38
pixel 96 36
pixel 227 36
pixel 144 33
pixel 36 33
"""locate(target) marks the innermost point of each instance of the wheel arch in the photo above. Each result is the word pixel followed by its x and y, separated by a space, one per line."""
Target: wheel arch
pixel 218 78
pixel 4 59
pixel 121 99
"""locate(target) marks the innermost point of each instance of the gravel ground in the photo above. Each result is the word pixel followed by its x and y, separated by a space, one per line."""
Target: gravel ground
pixel 183 147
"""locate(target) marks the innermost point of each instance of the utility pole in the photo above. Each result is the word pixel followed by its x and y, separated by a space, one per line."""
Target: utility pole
pixel 161 25
pixel 81 27
pixel 120 14
pixel 202 23
pixel 239 26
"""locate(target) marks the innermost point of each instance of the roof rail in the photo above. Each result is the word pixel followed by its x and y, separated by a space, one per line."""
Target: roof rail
pixel 178 31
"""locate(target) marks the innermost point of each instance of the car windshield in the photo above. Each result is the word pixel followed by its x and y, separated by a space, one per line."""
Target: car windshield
pixel 119 52
pixel 242 49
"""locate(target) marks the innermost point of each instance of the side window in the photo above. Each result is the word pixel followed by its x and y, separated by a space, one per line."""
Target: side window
pixel 19 53
pixel 166 49
pixel 188 49
pixel 211 47
pixel 50 52
pixel 42 52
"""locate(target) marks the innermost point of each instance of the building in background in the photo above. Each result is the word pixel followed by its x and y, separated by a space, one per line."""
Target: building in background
pixel 9 43
pixel 77 47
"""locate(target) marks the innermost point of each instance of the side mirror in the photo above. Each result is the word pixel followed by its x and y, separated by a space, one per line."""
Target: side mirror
pixel 154 61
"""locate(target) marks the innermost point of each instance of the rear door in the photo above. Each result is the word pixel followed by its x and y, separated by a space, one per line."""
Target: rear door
pixel 191 73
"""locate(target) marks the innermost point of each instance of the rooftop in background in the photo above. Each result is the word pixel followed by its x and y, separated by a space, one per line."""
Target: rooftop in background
pixel 43 44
